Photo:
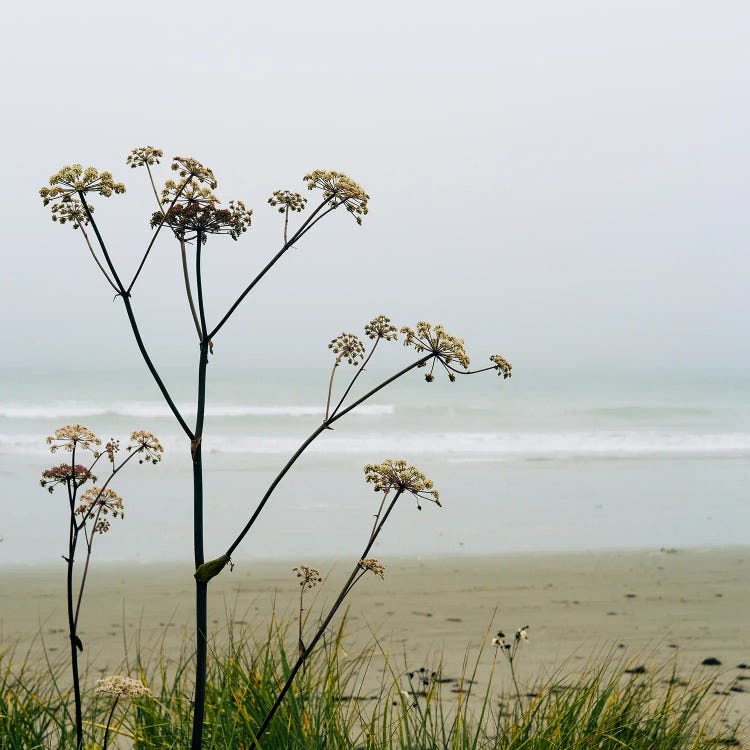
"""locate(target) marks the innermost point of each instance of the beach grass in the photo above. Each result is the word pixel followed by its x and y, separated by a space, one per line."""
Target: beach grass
pixel 363 701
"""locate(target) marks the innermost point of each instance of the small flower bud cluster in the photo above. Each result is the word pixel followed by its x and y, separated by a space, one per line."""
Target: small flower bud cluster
pixel 71 211
pixel 98 502
pixel 144 156
pixel 73 179
pixel 381 328
pixel 347 346
pixel 502 366
pixel 147 445
pixel 121 686
pixel 402 477
pixel 340 190
pixel 189 193
pixel 373 565
pixel 286 200
pixel 187 168
pixel 309 577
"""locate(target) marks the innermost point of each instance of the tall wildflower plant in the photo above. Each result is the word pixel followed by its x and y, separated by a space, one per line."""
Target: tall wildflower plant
pixel 188 209
pixel 91 511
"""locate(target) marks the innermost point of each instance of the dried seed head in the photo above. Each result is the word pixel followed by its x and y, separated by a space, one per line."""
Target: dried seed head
pixel 347 346
pixel 373 565
pixel 144 156
pixel 78 474
pixel 98 502
pixel 502 366
pixel 121 686
pixel 340 190
pixel 205 218
pixel 309 578
pixel 435 339
pixel 401 477
pixel 286 200
pixel 381 328
pixel 147 445
pixel 73 436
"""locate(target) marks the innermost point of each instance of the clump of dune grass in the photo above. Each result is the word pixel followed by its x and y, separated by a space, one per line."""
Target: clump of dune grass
pixel 338 702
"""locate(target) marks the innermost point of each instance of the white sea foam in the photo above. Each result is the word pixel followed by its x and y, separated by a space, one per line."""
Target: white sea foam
pixel 459 445
pixel 155 409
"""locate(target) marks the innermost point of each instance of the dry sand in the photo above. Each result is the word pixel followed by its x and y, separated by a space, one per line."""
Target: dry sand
pixel 651 608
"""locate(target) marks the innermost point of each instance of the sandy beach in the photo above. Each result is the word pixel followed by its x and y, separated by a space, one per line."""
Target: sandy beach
pixel 652 608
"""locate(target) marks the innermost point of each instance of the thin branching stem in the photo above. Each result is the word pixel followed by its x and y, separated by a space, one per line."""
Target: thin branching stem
pixel 360 370
pixel 125 296
pixel 165 214
pixel 355 575
pixel 271 263
pixel 94 520
pixel 110 265
pixel 153 186
pixel 186 275
pixel 97 261
pixel 324 426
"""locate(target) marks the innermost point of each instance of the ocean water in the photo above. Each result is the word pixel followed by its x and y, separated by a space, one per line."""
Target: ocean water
pixel 547 460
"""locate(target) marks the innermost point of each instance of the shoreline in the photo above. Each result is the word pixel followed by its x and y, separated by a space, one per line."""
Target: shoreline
pixel 652 608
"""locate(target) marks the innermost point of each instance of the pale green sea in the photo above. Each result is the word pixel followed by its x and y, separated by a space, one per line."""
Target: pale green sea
pixel 544 461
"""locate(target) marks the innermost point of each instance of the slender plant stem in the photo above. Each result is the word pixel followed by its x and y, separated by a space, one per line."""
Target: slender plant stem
pixel 156 233
pixel 201 588
pixel 360 370
pixel 125 296
pixel 97 261
pixel 153 186
pixel 110 265
pixel 189 292
pixel 296 236
pixel 109 722
pixel 347 587
pixel 324 426
pixel 330 389
pixel 90 539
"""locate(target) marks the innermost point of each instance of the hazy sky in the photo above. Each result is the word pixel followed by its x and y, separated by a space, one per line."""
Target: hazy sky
pixel 562 182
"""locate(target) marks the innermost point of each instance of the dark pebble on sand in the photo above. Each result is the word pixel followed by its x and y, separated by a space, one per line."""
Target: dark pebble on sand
pixel 640 669
pixel 712 661
pixel 742 665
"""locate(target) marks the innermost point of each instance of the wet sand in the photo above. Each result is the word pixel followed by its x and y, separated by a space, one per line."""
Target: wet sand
pixel 652 608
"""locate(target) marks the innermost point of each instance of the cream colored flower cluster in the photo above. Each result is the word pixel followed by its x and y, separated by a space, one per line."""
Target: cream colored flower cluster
pixel 74 179
pixel 402 477
pixel 502 366
pixel 73 436
pixel 121 686
pixel 98 502
pixel 147 445
pixel 187 168
pixel 71 211
pixel 340 190
pixel 381 328
pixel 188 193
pixel 347 346
pixel 435 339
pixel 286 200
pixel 144 156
